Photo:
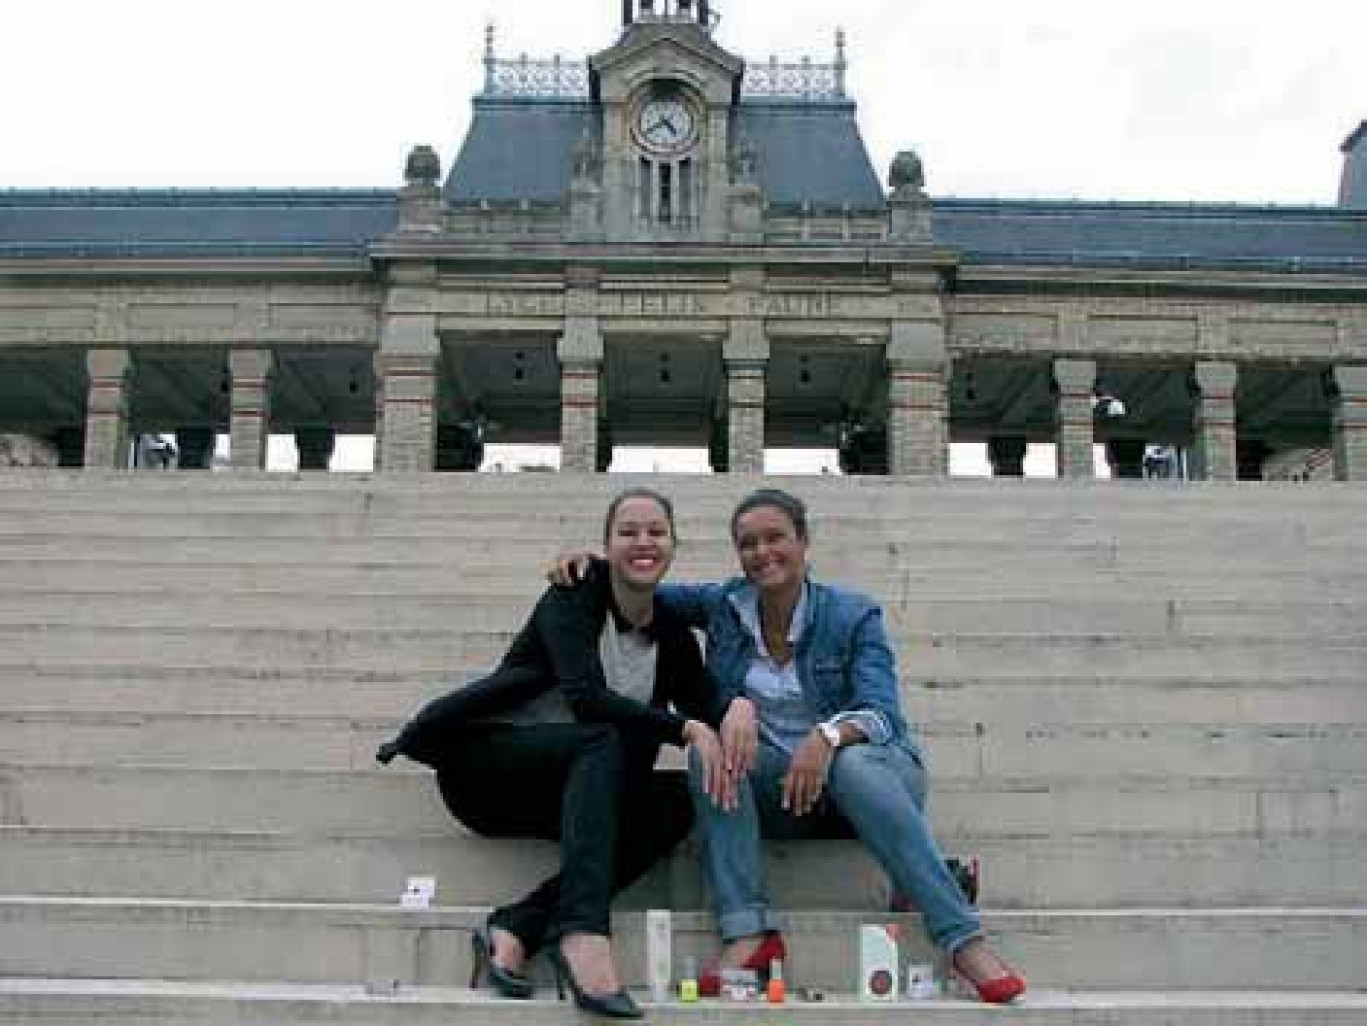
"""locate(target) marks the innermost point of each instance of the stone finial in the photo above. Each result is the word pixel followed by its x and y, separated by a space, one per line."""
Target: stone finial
pixel 906 176
pixel 423 166
pixel 841 63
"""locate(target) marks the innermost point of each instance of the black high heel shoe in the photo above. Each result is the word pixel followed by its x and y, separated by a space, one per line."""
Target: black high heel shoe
pixel 617 1005
pixel 505 982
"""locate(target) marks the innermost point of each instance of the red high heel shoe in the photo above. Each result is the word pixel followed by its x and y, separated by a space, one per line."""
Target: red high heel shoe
pixel 999 990
pixel 770 948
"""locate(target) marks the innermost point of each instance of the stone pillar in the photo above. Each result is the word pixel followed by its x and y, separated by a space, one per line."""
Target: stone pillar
pixel 1075 380
pixel 251 406
pixel 315 445
pixel 580 351
pixel 918 400
pixel 918 365
pixel 410 421
pixel 410 359
pixel 1126 457
pixel 745 355
pixel 1350 423
pixel 579 391
pixel 1213 455
pixel 745 416
pixel 1006 453
pixel 196 445
pixel 106 417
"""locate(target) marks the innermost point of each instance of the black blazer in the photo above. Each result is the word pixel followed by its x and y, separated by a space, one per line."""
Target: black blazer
pixel 558 647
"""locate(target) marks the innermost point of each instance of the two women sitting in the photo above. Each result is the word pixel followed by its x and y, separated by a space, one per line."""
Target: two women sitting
pixel 793 731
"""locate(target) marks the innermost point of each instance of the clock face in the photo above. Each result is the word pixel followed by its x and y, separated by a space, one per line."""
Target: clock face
pixel 665 125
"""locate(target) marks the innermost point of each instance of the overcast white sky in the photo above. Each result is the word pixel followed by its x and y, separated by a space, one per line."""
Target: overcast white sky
pixel 1164 99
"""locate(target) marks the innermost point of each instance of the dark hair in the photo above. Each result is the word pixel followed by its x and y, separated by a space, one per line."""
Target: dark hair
pixel 793 507
pixel 638 493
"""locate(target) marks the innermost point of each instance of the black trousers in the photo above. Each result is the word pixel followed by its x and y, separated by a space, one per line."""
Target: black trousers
pixel 584 785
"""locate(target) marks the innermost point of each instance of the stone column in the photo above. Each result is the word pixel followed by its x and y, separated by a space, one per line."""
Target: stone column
pixel 1214 456
pixel 918 366
pixel 410 357
pixel 251 406
pixel 918 399
pixel 745 356
pixel 1350 423
pixel 1006 454
pixel 315 445
pixel 1075 380
pixel 106 417
pixel 580 351
pixel 410 422
pixel 579 390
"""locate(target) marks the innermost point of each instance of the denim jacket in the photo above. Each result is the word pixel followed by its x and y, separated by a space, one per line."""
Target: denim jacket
pixel 845 663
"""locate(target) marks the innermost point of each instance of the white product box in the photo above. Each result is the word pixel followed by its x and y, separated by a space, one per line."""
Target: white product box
pixel 878 962
pixel 659 952
pixel 419 892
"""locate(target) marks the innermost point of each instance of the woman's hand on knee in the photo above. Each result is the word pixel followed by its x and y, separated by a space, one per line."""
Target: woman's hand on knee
pixel 706 751
pixel 806 776
pixel 740 738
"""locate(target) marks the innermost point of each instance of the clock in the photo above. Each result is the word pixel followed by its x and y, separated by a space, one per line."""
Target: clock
pixel 665 125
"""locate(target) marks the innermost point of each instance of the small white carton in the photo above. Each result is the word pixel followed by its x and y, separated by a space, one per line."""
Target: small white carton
pixel 878 962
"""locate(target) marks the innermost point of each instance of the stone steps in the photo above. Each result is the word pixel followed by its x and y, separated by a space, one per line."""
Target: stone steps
pixel 698 561
pixel 522 582
pixel 1143 705
pixel 953 702
pixel 327 742
pixel 1100 868
pixel 907 618
pixel 1159 948
pixel 158 1003
pixel 402 800
pixel 340 516
pixel 449 653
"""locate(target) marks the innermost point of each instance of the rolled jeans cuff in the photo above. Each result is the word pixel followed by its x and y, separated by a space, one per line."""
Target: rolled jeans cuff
pixel 749 922
pixel 953 944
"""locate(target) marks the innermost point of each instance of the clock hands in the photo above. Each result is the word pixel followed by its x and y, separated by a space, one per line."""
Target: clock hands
pixel 663 121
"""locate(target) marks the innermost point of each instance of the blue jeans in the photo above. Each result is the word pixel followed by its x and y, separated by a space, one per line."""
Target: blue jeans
pixel 875 791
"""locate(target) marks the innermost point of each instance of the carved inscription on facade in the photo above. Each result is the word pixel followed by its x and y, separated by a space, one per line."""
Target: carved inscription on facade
pixel 658 303
pixel 792 304
pixel 531 304
pixel 653 304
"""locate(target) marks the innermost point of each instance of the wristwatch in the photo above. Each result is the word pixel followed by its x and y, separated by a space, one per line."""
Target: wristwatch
pixel 831 733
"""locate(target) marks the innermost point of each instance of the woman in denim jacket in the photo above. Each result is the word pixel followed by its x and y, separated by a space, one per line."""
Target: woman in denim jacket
pixel 815 744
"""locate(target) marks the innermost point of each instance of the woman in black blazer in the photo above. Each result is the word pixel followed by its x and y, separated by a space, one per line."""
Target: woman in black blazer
pixel 560 743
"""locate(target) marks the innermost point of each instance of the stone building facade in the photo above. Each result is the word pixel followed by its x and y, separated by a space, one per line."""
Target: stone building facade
pixel 666 244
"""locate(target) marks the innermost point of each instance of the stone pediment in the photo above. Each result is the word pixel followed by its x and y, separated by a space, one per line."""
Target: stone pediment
pixel 667 50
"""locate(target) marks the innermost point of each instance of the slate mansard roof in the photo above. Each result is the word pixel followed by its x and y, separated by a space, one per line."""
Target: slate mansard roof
pixel 62 224
pixel 188 223
pixel 1154 235
pixel 519 149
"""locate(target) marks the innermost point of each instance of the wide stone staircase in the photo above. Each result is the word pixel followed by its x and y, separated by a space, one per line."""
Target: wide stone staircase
pixel 1145 707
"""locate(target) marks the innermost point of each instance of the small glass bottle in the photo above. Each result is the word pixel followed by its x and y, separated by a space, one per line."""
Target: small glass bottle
pixel 775 992
pixel 688 983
